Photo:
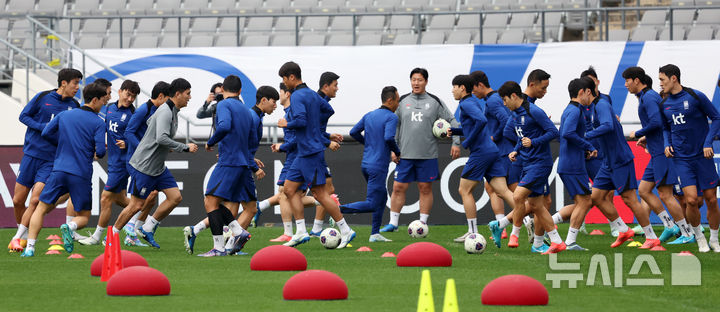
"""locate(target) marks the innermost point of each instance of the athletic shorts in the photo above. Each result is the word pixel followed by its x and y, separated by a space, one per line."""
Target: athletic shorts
pixel 117 180
pixel 417 170
pixel 233 184
pixel 592 166
pixel 700 172
pixel 576 184
pixel 308 170
pixel 535 178
pixel 33 170
pixel 660 171
pixel 514 171
pixel 327 169
pixel 142 184
pixel 483 166
pixel 60 183
pixel 678 191
pixel 618 179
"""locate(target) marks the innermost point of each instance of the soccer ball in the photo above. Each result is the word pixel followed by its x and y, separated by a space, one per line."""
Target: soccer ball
pixel 330 238
pixel 417 229
pixel 475 243
pixel 440 128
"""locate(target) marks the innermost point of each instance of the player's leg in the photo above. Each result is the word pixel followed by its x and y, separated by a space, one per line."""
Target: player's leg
pixel 262 206
pixel 675 210
pixel 426 172
pixel 57 186
pixel 285 216
pixel 320 210
pixel 377 196
pixel 19 241
pixel 107 198
pixel 642 214
pixel 520 196
pixel 397 201
pixel 713 217
pixel 321 194
pixel 583 203
pixel 293 194
pixel 465 189
pixel 36 222
pixel 238 227
pixel 216 223
pixel 544 221
pixel 497 205
pixel 361 206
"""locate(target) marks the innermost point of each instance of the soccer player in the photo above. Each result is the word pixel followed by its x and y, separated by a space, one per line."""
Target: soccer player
pixel 616 174
pixel 535 131
pixel 116 115
pixel 231 180
pixel 660 172
pixel 148 163
pixel 574 149
pixel 328 91
pixel 688 141
pixel 379 128
pixel 537 83
pixel 484 160
pixel 417 112
pixel 38 152
pixel 80 137
pixel 306 109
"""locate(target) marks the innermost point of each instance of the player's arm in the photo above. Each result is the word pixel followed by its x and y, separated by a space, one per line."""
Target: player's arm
pixel 29 111
pixel 222 125
pixel 133 125
pixel 389 135
pixel 288 144
pixel 605 116
pixel 654 121
pixel 447 115
pixel 254 143
pixel 568 126
pixel 547 125
pixel 299 115
pixel 49 132
pixel 100 149
pixel 162 131
pixel 476 113
pixel 498 111
pixel 712 113
pixel 356 131
pixel 509 131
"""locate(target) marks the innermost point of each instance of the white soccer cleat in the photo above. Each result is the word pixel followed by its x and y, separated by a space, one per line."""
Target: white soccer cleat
pixel 77 237
pixel 715 246
pixel 461 239
pixel 88 241
pixel 378 238
pixel 345 239
pixel 702 244
pixel 229 243
pixel 298 239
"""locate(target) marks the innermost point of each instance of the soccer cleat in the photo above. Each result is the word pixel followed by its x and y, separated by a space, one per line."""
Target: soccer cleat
pixel 582 229
pixel 530 227
pixel 546 239
pixel 239 253
pixel 129 230
pixel 213 253
pixel 255 218
pixel 683 240
pixel 189 234
pixel 555 248
pixel 513 243
pixel 575 247
pixel 638 230
pixel 149 237
pixel 702 244
pixel 16 245
pixel 29 252
pixel 298 239
pixel 77 237
pixel 504 234
pixel 669 232
pixel 461 239
pixel 67 236
pixel 715 246
pixel 378 238
pixel 542 249
pixel 346 239
pixel 315 234
pixel 622 237
pixel 239 241
pixel 90 241
pixel 650 243
pixel 282 238
pixel 389 228
pixel 496 232
pixel 614 233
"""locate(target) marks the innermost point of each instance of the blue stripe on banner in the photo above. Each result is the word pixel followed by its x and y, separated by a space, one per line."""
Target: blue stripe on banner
pixel 630 57
pixel 502 62
pixel 716 96
pixel 202 62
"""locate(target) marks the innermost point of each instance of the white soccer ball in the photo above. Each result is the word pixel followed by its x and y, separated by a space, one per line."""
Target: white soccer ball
pixel 440 128
pixel 475 243
pixel 330 238
pixel 417 229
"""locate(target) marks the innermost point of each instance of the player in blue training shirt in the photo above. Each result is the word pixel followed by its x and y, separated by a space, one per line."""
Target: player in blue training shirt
pixel 535 131
pixel 116 115
pixel 660 172
pixel 38 152
pixel 80 137
pixel 484 161
pixel 574 149
pixel 306 109
pixel 379 128
pixel 617 173
pixel 134 132
pixel 688 141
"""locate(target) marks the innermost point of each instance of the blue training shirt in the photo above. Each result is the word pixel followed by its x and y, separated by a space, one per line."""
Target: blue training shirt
pixel 289 146
pixel 116 120
pixel 306 111
pixel 255 136
pixel 36 115
pixel 81 136
pixel 497 115
pixel 233 130
pixel 136 127
pixel 686 123
pixel 609 132
pixel 535 125
pixel 379 140
pixel 572 140
pixel 589 116
pixel 474 127
pixel 651 121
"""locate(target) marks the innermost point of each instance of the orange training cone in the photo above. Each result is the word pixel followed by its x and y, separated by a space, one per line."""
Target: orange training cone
pixel 106 274
pixel 117 261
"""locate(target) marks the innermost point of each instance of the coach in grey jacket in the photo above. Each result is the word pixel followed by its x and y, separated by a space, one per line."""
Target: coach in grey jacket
pixel 417 112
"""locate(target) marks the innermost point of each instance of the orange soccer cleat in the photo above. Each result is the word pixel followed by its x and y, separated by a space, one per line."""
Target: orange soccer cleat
pixel 650 243
pixel 555 248
pixel 622 237
pixel 17 245
pixel 282 238
pixel 513 243
pixel 504 234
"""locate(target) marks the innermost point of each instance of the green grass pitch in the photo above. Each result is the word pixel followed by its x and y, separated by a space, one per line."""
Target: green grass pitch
pixel 52 282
